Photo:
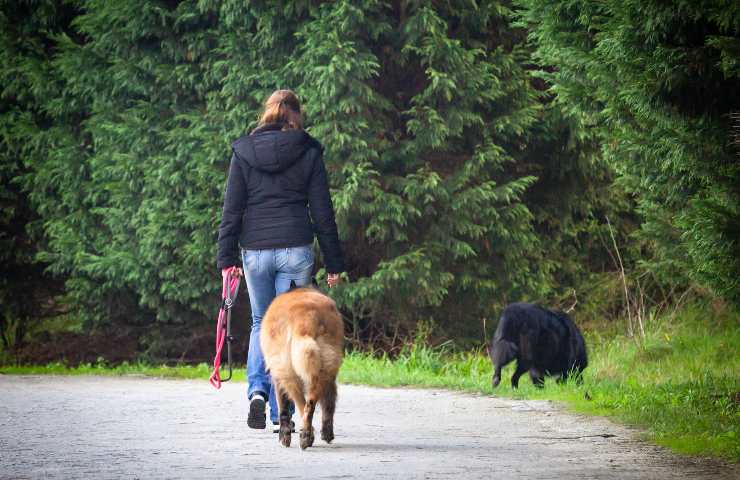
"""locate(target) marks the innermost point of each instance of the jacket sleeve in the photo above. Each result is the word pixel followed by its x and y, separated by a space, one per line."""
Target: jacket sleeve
pixel 322 215
pixel 235 202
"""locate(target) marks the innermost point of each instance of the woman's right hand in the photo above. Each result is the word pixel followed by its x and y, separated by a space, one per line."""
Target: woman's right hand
pixel 237 272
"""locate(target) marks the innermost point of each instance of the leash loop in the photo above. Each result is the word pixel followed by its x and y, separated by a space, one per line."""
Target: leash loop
pixel 229 290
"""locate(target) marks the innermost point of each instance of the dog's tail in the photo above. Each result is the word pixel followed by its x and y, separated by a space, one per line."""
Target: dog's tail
pixel 306 358
pixel 503 351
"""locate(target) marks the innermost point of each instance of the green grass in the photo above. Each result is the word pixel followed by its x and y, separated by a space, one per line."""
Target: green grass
pixel 681 384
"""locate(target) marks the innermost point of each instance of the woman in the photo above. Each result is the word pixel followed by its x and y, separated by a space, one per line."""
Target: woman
pixel 277 197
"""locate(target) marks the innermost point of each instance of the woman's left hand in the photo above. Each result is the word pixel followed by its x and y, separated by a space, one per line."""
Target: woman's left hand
pixel 333 280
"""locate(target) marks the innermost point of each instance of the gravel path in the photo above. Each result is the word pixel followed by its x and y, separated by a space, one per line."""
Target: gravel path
pixel 131 427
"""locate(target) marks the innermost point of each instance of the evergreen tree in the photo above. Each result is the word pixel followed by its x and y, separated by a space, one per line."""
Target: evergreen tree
pixel 422 110
pixel 658 82
pixel 25 45
pixel 432 127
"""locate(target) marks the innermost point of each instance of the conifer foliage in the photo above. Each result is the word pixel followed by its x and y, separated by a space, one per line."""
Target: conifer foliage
pixel 659 82
pixel 421 108
pixel 25 76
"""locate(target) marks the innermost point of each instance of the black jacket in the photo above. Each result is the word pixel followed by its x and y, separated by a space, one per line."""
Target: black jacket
pixel 277 196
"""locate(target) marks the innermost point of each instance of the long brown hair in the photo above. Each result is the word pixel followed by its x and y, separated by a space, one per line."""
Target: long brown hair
pixel 282 107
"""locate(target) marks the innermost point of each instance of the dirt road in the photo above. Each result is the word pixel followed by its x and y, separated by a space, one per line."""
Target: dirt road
pixel 96 427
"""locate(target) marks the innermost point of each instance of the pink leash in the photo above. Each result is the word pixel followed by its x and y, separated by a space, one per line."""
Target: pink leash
pixel 229 290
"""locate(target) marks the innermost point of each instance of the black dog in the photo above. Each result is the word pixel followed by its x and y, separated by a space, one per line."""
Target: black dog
pixel 543 342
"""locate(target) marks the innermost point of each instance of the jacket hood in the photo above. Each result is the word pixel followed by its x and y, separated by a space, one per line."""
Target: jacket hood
pixel 271 149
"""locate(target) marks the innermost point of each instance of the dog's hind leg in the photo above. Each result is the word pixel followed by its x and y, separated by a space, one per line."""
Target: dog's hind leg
pixel 328 405
pixel 538 377
pixel 520 369
pixel 285 431
pixel 307 430
pixel 307 435
pixel 292 390
pixel 578 373
pixel 563 377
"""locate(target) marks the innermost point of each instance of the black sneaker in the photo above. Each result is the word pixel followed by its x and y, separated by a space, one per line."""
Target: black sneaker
pixel 256 417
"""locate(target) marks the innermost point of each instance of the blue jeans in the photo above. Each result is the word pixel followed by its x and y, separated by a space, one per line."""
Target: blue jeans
pixel 268 273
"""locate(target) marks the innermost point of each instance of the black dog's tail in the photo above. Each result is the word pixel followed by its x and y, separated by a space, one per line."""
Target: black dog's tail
pixel 503 351
pixel 504 348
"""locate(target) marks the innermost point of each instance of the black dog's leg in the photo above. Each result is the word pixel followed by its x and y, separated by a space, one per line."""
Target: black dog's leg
pixel 502 353
pixel 538 378
pixel 496 376
pixel 520 369
pixel 579 376
pixel 574 372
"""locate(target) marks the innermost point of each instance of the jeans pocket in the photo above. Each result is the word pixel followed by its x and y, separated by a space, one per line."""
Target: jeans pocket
pixel 250 259
pixel 300 258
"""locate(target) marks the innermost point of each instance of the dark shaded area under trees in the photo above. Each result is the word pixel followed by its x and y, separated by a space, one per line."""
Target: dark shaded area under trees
pixel 475 151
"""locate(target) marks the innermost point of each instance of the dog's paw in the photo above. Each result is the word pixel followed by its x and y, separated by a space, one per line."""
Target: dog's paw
pixel 284 435
pixel 306 438
pixel 327 433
